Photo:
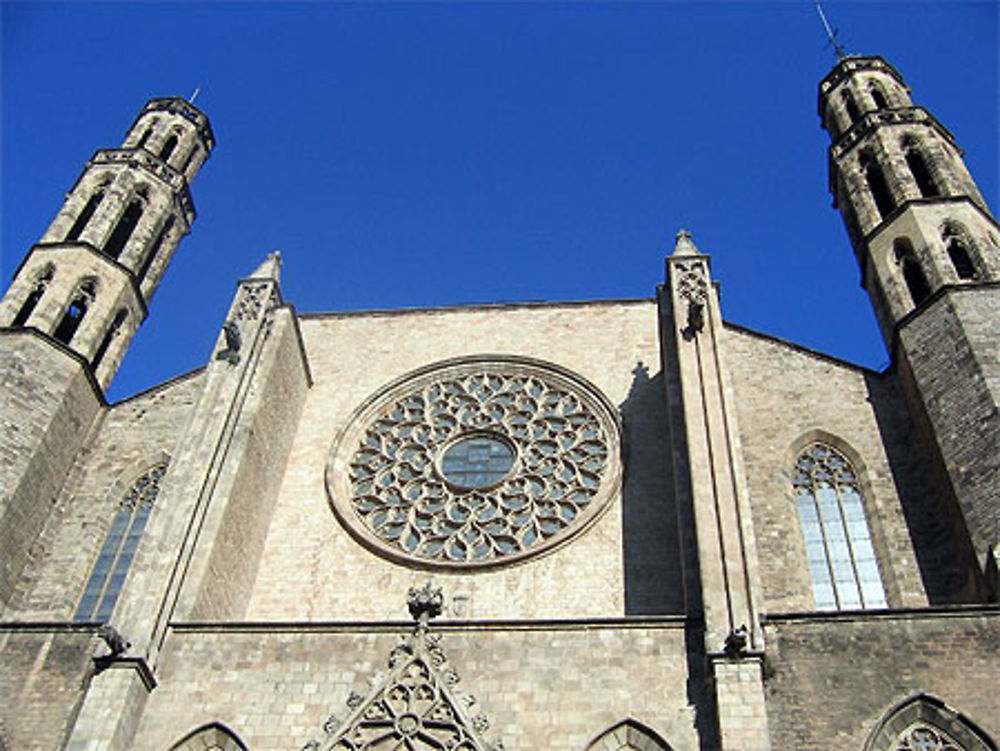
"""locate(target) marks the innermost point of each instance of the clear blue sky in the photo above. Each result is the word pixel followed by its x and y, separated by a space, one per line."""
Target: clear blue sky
pixel 416 154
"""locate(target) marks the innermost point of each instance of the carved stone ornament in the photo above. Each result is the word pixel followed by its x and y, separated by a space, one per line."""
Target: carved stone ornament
pixel 476 462
pixel 924 737
pixel 413 707
pixel 691 282
pixel 253 296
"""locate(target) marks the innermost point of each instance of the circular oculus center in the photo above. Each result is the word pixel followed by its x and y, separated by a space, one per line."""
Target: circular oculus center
pixel 477 461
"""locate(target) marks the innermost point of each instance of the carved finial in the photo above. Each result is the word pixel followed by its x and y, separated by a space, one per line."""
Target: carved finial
pixel 685 245
pixel 425 602
pixel 270 268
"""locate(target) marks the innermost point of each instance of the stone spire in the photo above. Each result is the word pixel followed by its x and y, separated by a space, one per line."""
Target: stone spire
pixel 685 245
pixel 270 268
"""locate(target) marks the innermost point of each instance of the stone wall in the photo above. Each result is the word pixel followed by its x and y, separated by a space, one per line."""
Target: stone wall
pixel 549 686
pixel 132 436
pixel 47 406
pixel 787 397
pixel 312 569
pixel 833 678
pixel 42 681
pixel 951 351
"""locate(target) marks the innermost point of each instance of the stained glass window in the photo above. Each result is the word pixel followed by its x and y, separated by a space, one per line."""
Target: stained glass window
pixel 477 461
pixel 839 548
pixel 109 572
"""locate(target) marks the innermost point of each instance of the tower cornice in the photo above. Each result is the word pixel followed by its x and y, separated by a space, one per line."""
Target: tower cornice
pixel 848 67
pixel 151 165
pixel 84 245
pixel 184 108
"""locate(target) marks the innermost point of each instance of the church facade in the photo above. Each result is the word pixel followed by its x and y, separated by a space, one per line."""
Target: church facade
pixel 607 525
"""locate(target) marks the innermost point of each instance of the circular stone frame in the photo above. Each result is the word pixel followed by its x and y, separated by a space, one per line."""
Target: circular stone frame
pixel 346 475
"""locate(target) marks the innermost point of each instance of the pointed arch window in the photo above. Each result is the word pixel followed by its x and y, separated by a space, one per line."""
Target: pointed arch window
pixel 839 548
pixel 878 96
pixel 109 337
pixel 168 147
pixel 918 168
pixel 925 723
pixel 628 735
pixel 851 106
pixel 124 229
pixel 189 158
pixel 109 572
pixel 151 254
pixel 957 243
pixel 877 186
pixel 75 312
pixel 913 274
pixel 84 217
pixel 31 301
pixel 212 737
pixel 144 138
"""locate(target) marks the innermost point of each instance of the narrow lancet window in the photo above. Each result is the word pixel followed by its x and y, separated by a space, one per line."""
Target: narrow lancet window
pixel 109 572
pixel 168 147
pixel 913 274
pixel 155 249
pixel 189 158
pixel 31 301
pixel 851 106
pixel 878 96
pixel 81 221
pixel 75 312
pixel 921 174
pixel 123 230
pixel 839 550
pixel 961 260
pixel 109 337
pixel 878 187
pixel 144 138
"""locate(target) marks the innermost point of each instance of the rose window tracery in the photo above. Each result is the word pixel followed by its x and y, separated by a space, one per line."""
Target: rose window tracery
pixel 476 463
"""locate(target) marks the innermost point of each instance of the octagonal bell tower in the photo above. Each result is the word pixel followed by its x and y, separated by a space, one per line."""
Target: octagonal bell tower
pixel 929 251
pixel 87 283
pixel 75 303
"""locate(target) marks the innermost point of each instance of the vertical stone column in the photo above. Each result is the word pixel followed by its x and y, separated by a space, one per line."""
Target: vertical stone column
pixel 727 556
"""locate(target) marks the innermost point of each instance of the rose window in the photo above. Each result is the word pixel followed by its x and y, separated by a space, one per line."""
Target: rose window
pixel 476 462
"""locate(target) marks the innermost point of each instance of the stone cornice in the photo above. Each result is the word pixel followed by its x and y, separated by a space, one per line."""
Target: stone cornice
pixel 669 622
pixel 185 109
pixel 152 165
pixel 136 290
